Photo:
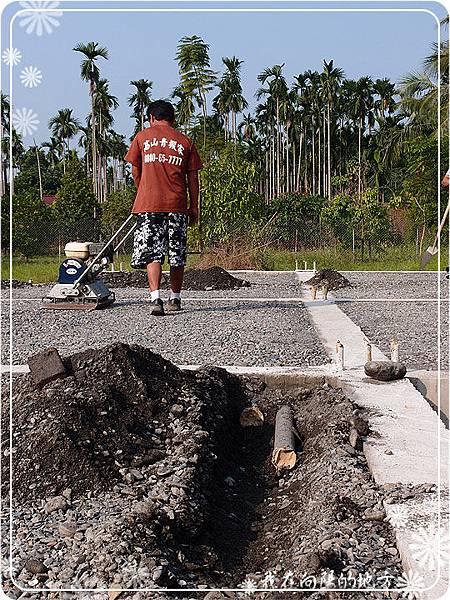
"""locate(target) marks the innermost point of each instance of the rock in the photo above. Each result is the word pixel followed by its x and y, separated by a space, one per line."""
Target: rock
pixel 66 574
pixel 67 529
pixel 361 425
pixel 157 573
pixel 46 366
pixel 177 410
pixel 355 440
pixel 55 503
pixel 374 514
pixel 35 566
pixel 385 370
pixel 145 509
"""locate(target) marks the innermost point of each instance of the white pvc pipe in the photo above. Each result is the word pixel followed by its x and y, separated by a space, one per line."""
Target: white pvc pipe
pixel 340 355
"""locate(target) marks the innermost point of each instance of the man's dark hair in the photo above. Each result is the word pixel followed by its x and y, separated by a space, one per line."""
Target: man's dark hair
pixel 161 110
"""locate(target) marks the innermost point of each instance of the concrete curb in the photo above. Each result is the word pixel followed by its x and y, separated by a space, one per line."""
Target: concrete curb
pixel 408 443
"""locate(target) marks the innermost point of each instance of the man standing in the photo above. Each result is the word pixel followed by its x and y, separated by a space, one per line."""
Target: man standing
pixel 165 165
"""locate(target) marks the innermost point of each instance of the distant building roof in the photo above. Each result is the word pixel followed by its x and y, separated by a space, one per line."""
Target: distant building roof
pixel 48 199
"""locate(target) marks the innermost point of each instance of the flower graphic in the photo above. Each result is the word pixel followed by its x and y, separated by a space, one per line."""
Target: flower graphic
pixel 398 516
pixel 25 121
pixel 11 56
pixel 411 584
pixel 430 547
pixel 41 16
pixel 249 586
pixel 30 77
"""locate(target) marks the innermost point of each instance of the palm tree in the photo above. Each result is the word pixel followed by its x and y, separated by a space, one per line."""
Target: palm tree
pixel 248 126
pixel 360 95
pixel 140 99
pixel 184 108
pixel 104 102
pixel 385 90
pixel 197 78
pixel 55 149
pixel 419 94
pixel 90 72
pixel 64 126
pixel 330 79
pixel 277 92
pixel 232 82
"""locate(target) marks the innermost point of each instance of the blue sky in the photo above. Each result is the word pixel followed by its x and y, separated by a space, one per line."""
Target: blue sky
pixel 143 45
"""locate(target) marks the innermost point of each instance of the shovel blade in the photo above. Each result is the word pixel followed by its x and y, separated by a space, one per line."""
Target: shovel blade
pixel 428 255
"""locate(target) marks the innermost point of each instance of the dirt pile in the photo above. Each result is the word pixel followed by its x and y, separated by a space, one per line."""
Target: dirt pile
pixel 130 279
pixel 214 278
pixel 333 280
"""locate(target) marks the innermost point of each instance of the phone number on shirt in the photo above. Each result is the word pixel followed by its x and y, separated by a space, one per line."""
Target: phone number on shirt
pixel 162 158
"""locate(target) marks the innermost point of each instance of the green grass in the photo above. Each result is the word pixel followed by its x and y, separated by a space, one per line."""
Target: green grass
pixel 44 269
pixel 394 259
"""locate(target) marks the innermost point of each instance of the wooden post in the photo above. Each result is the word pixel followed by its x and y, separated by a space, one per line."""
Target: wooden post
pixel 394 350
pixel 283 456
pixel 368 352
pixel 340 355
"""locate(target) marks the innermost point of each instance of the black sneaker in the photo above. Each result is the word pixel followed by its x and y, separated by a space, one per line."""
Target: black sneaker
pixel 174 305
pixel 157 308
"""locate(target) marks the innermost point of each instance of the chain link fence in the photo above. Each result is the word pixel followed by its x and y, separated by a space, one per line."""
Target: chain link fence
pixel 49 238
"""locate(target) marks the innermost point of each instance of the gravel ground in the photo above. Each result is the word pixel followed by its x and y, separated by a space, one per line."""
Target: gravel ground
pixel 222 332
pixel 394 285
pixel 415 324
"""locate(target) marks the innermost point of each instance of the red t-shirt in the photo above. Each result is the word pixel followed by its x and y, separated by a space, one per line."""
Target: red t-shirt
pixel 164 156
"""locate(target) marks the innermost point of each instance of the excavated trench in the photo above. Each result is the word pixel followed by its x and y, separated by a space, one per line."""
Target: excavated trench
pixel 165 487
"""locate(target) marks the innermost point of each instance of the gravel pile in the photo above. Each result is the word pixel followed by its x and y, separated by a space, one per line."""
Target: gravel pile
pixel 413 323
pixel 330 279
pixel 222 332
pixel 170 490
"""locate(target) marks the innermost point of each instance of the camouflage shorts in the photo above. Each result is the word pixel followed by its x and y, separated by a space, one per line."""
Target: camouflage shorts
pixel 158 235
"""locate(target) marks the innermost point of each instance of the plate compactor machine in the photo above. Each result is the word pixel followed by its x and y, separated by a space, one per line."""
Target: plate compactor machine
pixel 78 286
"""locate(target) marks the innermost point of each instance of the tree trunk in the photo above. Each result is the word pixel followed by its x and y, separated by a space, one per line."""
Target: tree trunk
pixel 278 147
pixel 93 140
pixel 359 158
pixel 329 152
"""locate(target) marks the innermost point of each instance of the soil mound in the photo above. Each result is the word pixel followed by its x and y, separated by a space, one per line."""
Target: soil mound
pixel 130 279
pixel 115 410
pixel 214 278
pixel 333 280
